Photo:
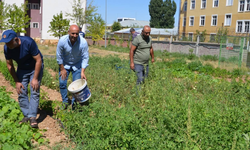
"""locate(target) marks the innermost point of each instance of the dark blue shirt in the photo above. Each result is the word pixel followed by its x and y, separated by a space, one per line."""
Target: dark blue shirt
pixel 23 55
pixel 82 34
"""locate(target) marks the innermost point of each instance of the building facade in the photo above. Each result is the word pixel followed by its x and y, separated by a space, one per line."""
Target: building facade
pixel 212 15
pixel 35 14
pixel 41 13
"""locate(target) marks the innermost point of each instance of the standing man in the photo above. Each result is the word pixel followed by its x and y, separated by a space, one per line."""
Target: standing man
pixel 81 33
pixel 72 56
pixel 140 53
pixel 29 61
pixel 134 33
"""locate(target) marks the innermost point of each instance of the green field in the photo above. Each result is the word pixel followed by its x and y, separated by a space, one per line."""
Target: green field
pixel 184 104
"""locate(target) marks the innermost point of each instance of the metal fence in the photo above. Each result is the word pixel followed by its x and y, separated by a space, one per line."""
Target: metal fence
pixel 233 49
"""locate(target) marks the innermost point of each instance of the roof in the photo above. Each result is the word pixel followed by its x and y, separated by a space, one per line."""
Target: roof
pixel 132 23
pixel 154 31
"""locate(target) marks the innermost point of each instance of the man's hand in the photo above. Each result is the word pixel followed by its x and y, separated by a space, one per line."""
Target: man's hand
pixel 34 84
pixel 63 74
pixel 132 66
pixel 19 87
pixel 152 60
pixel 83 74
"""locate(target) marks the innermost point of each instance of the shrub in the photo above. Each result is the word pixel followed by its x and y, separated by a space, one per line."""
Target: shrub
pixel 209 58
pixel 194 66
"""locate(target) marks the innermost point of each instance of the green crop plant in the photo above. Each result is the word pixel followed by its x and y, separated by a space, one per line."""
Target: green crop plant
pixel 182 105
pixel 191 54
pixel 176 108
pixel 12 134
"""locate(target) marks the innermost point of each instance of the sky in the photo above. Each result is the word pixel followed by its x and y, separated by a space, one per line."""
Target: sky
pixel 137 9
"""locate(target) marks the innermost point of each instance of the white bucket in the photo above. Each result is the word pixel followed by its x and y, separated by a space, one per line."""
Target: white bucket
pixel 80 90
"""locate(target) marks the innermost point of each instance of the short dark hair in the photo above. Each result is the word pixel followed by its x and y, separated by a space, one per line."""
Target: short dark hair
pixel 132 29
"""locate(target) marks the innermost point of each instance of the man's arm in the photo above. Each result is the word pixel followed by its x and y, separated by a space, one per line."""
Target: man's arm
pixel 34 83
pixel 85 60
pixel 152 54
pixel 12 71
pixel 59 59
pixel 131 55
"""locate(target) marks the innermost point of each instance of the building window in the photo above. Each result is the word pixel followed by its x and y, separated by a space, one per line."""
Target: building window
pixel 248 5
pixel 203 4
pixel 228 18
pixel 34 25
pixel 239 26
pixel 184 22
pixel 192 6
pixel 214 20
pixel 29 6
pixel 35 6
pixel 243 26
pixel 241 5
pixel 229 3
pixel 216 3
pixel 244 5
pixel 202 20
pixel 247 26
pixel 191 21
pixel 190 36
pixel 212 37
pixel 185 6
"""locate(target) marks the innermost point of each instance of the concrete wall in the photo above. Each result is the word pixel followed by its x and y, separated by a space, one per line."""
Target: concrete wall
pixel 11 2
pixel 54 7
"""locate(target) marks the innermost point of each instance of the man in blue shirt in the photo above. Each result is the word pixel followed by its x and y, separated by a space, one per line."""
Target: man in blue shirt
pixel 81 33
pixel 72 56
pixel 29 61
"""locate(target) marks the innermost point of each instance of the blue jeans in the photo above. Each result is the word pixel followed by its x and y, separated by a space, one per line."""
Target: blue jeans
pixel 63 84
pixel 29 107
pixel 141 72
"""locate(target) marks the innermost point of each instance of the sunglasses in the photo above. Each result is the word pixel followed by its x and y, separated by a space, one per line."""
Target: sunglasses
pixel 146 32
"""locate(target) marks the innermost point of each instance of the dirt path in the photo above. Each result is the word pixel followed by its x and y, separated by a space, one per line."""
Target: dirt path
pixel 103 53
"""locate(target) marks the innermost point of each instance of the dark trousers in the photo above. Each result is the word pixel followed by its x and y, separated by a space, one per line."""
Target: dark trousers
pixel 141 72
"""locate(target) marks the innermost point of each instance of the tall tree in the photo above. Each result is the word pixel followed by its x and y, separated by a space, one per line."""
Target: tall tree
pixel 17 18
pixel 155 12
pixel 59 26
pixel 96 29
pixel 162 13
pixel 81 15
pixel 116 26
pixel 168 12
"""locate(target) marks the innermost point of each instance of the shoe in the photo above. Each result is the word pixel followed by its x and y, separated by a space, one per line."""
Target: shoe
pixel 64 106
pixel 73 106
pixel 24 120
pixel 33 122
